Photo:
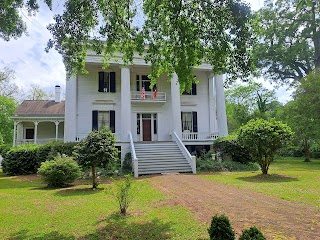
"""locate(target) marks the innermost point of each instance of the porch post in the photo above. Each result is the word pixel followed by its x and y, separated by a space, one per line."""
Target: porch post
pixel 125 104
pixel 57 129
pixel 221 106
pixel 14 132
pixel 212 105
pixel 35 131
pixel 175 105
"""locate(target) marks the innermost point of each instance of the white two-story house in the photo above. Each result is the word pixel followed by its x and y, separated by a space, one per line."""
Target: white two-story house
pixel 157 125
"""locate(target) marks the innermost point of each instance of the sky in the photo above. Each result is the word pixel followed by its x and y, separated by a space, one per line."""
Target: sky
pixel 32 65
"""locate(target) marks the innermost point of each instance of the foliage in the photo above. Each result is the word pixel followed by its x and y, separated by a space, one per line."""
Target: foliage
pixel 288 46
pixel 220 228
pixel 37 93
pixel 26 159
pixel 263 138
pixel 4 148
pixel 290 151
pixel 60 171
pixel 124 193
pixel 97 149
pixel 232 148
pixel 303 113
pixel 11 21
pixel 209 165
pixel 7 88
pixel 21 160
pixel 7 108
pixel 127 163
pixel 179 34
pixel 252 233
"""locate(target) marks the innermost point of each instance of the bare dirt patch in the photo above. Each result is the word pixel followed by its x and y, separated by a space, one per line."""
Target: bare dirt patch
pixel 277 218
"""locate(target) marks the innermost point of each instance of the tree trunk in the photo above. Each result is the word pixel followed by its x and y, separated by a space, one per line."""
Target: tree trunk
pixel 264 164
pixel 94 177
pixel 306 151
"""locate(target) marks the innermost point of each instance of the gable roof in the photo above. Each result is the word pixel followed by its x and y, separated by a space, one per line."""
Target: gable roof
pixel 41 108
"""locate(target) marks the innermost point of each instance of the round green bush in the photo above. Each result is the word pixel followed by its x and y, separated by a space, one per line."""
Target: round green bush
pixel 221 229
pixel 252 234
pixel 60 171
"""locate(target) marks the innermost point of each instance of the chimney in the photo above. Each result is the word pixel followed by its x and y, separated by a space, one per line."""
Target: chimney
pixel 57 95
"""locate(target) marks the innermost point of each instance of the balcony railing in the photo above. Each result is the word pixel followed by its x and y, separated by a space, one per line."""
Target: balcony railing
pixel 149 97
pixel 199 136
pixel 39 141
pixel 79 137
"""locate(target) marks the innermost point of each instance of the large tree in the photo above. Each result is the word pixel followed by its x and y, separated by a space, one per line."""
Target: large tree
pixel 288 33
pixel 12 25
pixel 37 93
pixel 175 36
pixel 7 108
pixel 7 88
pixel 303 113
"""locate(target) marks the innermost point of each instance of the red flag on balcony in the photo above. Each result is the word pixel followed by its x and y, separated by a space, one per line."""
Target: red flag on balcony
pixel 154 95
pixel 143 93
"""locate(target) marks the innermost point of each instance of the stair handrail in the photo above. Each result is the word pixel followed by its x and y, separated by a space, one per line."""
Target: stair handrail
pixel 191 159
pixel 134 157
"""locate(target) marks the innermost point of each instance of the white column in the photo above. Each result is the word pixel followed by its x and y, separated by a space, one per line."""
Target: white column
pixel 175 105
pixel 221 106
pixel 125 104
pixel 212 105
pixel 35 131
pixel 70 127
pixel 14 132
pixel 57 129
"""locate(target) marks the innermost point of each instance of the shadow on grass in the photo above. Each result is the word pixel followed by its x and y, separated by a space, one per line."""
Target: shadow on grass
pixel 269 178
pixel 48 236
pixel 77 191
pixel 120 227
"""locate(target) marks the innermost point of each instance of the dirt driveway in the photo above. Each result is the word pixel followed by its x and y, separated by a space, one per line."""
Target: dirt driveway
pixel 277 218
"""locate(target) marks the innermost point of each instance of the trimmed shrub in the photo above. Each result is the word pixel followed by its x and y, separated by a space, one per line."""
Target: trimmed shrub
pixel 252 234
pixel 21 160
pixel 60 171
pixel 209 165
pixel 233 148
pixel 221 229
pixel 291 151
pixel 127 163
pixel 4 148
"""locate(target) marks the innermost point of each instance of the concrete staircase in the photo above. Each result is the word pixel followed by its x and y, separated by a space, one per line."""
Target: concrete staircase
pixel 160 157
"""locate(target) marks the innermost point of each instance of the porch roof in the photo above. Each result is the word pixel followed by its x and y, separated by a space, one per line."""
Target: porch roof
pixel 40 108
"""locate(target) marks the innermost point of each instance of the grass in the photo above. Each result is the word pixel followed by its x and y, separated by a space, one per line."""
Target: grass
pixel 289 178
pixel 29 210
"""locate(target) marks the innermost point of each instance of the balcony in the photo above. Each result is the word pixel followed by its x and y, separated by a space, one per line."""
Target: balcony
pixel 202 136
pixel 39 141
pixel 149 97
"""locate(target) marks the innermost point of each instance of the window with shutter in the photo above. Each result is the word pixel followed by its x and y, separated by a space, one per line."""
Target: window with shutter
pixel 107 82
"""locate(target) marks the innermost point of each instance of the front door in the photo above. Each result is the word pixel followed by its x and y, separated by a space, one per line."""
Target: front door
pixel 146 125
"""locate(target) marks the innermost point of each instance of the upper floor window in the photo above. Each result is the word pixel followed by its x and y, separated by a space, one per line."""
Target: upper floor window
pixel 107 82
pixel 144 81
pixel 193 90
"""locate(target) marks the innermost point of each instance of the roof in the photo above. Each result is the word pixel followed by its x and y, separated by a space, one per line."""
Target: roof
pixel 41 108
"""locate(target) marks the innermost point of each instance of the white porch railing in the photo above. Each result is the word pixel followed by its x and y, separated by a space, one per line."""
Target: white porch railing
pixel 134 157
pixel 149 97
pixel 194 136
pixel 39 141
pixel 191 159
pixel 79 137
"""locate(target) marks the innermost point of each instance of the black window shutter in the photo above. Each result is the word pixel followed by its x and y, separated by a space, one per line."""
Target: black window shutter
pixel 194 89
pixel 94 120
pixel 195 122
pixel 112 82
pixel 112 121
pixel 101 82
pixel 181 122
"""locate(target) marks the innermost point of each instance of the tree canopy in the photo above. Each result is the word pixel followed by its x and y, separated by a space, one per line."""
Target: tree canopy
pixel 12 25
pixel 176 35
pixel 288 33
pixel 7 108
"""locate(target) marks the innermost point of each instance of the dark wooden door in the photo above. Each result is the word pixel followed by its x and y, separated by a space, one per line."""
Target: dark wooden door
pixel 146 125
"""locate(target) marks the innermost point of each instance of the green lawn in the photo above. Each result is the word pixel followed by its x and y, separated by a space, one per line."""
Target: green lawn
pixel 290 179
pixel 28 210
